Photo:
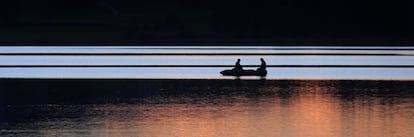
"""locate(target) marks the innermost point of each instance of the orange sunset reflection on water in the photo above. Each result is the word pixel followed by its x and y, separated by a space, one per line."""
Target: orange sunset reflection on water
pixel 311 109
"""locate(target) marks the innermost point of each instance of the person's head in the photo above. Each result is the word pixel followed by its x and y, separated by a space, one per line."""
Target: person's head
pixel 238 60
pixel 261 59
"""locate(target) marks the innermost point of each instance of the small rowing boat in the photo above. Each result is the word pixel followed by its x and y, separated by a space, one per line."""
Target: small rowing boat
pixel 249 72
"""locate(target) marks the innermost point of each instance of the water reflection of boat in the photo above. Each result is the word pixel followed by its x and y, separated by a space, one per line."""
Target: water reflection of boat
pixel 249 72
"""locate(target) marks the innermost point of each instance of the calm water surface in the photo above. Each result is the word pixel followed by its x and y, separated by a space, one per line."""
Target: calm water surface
pixel 136 62
pixel 285 109
pixel 372 102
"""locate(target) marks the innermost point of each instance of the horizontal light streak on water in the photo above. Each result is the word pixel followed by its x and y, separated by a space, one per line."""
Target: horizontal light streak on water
pixel 234 47
pixel 205 60
pixel 194 51
pixel 207 54
pixel 206 66
pixel 208 73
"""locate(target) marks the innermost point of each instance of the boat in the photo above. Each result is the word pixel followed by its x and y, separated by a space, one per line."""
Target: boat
pixel 248 72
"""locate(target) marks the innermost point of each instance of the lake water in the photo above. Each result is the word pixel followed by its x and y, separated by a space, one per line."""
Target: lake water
pixel 178 92
pixel 186 62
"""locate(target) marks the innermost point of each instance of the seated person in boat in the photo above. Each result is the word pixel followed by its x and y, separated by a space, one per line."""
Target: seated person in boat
pixel 237 66
pixel 262 66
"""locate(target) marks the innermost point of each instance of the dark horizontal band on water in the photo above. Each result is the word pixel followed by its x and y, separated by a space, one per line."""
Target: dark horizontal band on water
pixel 207 66
pixel 205 54
pixel 238 48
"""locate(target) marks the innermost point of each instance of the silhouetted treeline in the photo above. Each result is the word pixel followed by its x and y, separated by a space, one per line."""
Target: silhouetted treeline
pixel 208 21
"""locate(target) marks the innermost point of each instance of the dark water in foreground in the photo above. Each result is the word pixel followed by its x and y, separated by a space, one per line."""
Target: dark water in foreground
pixel 207 108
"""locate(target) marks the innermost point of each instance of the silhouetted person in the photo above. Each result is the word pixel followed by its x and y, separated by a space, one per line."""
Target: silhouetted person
pixel 237 66
pixel 263 65
pixel 261 71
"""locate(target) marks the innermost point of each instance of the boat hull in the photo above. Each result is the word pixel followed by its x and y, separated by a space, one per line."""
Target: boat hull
pixel 229 72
